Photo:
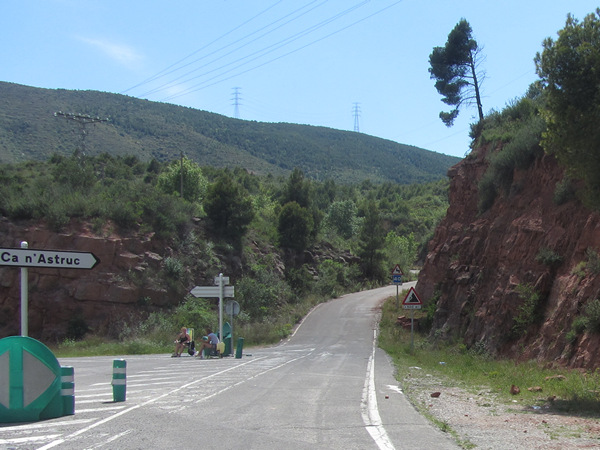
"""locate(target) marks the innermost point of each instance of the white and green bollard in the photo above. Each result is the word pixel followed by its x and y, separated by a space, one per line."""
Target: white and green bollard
pixel 119 380
pixel 67 391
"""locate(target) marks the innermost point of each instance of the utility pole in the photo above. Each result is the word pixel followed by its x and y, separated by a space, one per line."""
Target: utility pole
pixel 356 111
pixel 82 120
pixel 181 176
pixel 236 102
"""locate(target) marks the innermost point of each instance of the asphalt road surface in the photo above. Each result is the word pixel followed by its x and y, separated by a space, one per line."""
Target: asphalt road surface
pixel 328 386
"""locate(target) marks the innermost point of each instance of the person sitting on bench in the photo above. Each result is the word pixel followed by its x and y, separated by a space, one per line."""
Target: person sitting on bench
pixel 183 339
pixel 209 341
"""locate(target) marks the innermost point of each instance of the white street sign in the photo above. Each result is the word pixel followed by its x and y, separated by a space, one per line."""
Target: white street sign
pixel 212 291
pixel 52 259
pixel 225 281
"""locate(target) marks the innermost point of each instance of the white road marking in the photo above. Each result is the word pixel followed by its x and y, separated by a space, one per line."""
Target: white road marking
pixel 27 440
pixel 395 389
pixel 251 378
pixel 111 439
pixel 133 408
pixel 39 426
pixel 107 408
pixel 368 406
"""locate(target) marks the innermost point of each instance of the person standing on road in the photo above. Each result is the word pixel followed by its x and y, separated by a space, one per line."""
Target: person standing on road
pixel 183 339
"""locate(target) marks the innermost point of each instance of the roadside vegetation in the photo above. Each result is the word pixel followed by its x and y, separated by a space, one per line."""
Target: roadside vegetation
pixel 556 116
pixel 257 228
pixel 562 390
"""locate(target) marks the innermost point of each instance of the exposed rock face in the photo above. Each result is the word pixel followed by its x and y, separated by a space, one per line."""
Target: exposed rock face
pixel 100 298
pixel 476 262
pixel 128 282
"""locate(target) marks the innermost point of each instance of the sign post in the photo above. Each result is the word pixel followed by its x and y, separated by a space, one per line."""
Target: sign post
pixel 24 297
pixel 221 291
pixel 397 280
pixel 412 302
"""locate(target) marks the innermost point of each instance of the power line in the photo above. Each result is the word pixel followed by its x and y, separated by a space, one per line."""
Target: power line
pixel 170 83
pixel 203 84
pixel 262 52
pixel 166 71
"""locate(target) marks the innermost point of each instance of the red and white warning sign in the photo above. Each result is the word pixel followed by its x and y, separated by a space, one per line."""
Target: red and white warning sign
pixel 412 300
pixel 397 270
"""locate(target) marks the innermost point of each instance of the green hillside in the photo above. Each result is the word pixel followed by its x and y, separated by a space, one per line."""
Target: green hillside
pixel 29 130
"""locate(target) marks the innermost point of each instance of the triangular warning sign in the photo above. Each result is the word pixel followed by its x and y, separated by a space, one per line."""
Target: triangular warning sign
pixel 412 298
pixel 397 270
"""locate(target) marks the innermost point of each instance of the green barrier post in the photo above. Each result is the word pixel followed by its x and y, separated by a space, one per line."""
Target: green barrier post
pixel 119 380
pixel 67 392
pixel 30 381
pixel 238 350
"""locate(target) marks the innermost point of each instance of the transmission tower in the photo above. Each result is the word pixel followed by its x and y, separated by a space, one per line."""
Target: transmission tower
pixel 236 102
pixel 356 112
pixel 82 120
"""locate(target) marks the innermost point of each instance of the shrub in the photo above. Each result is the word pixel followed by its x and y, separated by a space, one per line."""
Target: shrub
pixel 548 257
pixel 518 128
pixel 173 268
pixel 592 314
pixel 262 292
pixel 487 192
pixel 564 191
pixel 593 260
pixel 196 313
pixel 528 312
pixel 77 328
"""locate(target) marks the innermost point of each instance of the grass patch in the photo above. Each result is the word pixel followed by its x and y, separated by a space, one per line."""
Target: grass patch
pixel 573 391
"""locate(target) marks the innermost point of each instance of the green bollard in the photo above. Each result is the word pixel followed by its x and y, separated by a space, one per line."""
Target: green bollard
pixel 238 350
pixel 119 380
pixel 67 391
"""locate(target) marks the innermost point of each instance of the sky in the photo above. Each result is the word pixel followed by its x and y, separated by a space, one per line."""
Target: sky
pixel 346 64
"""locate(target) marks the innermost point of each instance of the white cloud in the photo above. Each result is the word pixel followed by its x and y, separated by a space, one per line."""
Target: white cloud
pixel 123 54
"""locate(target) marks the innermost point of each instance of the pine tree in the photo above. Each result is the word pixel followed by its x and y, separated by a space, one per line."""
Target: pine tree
pixel 455 69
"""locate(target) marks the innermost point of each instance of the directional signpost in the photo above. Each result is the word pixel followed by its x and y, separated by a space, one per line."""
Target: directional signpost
pixel 397 280
pixel 212 291
pixel 51 259
pixel 412 302
pixel 30 377
pixel 220 290
pixel 25 257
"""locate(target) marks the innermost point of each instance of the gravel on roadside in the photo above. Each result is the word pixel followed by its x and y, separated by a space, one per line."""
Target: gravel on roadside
pixel 480 419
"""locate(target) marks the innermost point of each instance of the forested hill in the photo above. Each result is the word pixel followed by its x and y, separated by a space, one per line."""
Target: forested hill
pixel 30 130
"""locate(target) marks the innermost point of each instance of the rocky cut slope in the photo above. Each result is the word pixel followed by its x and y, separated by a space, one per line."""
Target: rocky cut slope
pixel 62 301
pixel 516 280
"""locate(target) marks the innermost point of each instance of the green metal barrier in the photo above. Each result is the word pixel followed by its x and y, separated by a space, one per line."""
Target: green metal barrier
pixel 67 391
pixel 119 380
pixel 226 338
pixel 240 346
pixel 30 382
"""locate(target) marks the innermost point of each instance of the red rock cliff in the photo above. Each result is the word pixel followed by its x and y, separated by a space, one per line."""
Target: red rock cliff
pixel 476 262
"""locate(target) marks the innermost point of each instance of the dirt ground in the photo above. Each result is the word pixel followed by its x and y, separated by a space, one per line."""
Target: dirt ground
pixel 481 420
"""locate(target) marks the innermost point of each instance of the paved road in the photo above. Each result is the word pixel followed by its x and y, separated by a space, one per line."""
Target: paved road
pixel 327 386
